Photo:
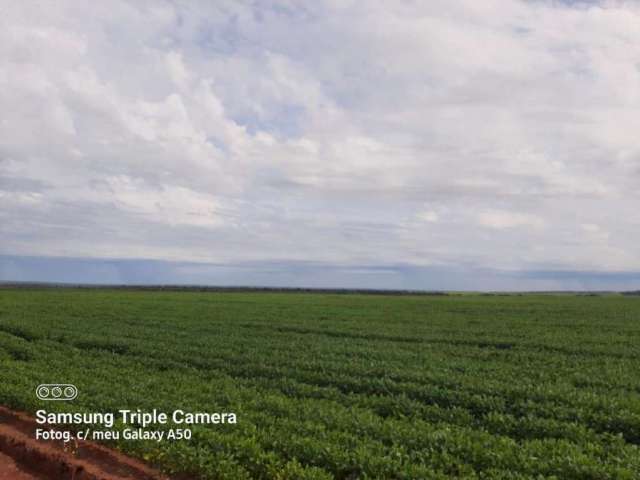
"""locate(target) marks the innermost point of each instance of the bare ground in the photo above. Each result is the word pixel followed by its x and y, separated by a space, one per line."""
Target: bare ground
pixel 24 458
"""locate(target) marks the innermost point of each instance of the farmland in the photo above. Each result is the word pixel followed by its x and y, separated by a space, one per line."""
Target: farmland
pixel 345 386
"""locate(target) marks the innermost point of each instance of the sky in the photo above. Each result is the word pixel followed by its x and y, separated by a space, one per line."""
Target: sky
pixel 448 144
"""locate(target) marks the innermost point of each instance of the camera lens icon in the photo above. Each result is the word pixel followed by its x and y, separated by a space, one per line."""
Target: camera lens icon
pixel 56 391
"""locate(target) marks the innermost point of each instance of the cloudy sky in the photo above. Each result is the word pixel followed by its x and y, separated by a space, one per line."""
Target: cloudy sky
pixel 457 144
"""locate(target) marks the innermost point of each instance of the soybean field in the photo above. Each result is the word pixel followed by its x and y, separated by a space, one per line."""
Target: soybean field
pixel 345 386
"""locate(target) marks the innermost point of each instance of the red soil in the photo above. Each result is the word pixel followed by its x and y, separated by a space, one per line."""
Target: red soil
pixel 10 470
pixel 24 458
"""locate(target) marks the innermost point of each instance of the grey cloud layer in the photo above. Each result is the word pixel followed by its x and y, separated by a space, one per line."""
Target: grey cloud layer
pixel 498 134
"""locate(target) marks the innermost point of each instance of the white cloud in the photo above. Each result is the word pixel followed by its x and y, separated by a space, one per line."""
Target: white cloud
pixel 167 204
pixel 428 216
pixel 590 227
pixel 504 219
pixel 227 131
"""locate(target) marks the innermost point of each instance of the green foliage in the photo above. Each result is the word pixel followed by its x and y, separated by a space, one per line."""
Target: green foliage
pixel 346 386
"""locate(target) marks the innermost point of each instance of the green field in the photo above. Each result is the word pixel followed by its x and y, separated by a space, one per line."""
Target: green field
pixel 346 386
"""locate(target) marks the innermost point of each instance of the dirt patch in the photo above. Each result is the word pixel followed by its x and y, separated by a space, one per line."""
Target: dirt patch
pixel 10 470
pixel 24 458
